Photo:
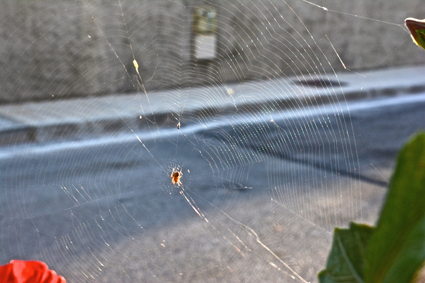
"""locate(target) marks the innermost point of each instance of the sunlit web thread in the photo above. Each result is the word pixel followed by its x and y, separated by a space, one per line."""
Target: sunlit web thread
pixel 119 59
pixel 353 15
pixel 246 132
pixel 251 232
pixel 342 126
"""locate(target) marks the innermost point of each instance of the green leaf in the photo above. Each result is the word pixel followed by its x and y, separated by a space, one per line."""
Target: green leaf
pixel 346 260
pixel 396 248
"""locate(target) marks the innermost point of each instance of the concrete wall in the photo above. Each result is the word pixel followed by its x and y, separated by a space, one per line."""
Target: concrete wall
pixel 64 49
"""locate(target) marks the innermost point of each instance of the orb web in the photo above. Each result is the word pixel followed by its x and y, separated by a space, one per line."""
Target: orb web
pixel 260 138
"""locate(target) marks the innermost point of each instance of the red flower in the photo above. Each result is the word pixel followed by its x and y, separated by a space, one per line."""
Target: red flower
pixel 19 271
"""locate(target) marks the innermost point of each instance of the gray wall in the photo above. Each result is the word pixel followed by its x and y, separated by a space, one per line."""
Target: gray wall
pixel 64 49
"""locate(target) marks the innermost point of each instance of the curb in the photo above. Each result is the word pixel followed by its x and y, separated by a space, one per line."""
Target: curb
pixel 14 133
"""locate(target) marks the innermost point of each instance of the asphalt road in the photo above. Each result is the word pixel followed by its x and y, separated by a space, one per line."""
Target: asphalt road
pixel 258 201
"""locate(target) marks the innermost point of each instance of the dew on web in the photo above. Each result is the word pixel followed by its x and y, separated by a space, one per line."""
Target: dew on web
pixel 233 156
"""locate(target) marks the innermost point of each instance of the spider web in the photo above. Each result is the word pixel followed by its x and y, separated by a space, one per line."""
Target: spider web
pixel 268 166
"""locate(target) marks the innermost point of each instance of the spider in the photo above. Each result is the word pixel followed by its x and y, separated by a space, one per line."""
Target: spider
pixel 176 177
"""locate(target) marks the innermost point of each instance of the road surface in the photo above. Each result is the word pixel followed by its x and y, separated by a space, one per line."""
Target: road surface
pixel 258 200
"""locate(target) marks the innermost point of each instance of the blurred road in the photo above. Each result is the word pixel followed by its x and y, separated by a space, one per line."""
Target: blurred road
pixel 113 199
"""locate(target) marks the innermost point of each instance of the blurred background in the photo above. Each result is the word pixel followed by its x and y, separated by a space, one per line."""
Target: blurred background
pixel 85 48
pixel 282 120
